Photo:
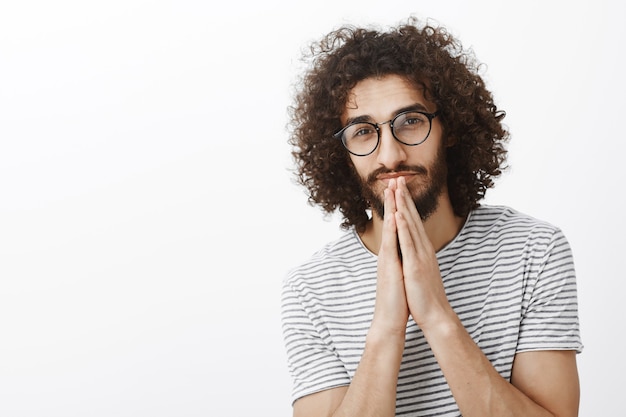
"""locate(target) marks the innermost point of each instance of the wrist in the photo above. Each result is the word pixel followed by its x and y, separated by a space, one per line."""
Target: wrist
pixel 443 324
pixel 385 335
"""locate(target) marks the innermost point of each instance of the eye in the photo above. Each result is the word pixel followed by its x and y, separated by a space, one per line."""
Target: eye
pixel 367 130
pixel 410 119
pixel 361 132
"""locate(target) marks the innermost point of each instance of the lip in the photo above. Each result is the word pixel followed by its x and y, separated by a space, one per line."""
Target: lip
pixel 394 175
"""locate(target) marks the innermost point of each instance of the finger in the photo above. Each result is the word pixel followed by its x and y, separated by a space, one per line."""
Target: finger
pixel 390 201
pixel 406 239
pixel 393 184
pixel 410 207
pixel 389 243
pixel 406 206
pixel 407 199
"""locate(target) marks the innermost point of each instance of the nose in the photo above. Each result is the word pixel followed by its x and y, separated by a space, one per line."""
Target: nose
pixel 390 152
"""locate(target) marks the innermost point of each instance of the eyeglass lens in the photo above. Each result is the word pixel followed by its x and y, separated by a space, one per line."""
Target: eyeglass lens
pixel 410 128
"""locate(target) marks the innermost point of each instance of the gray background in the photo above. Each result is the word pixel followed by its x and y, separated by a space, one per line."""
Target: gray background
pixel 144 233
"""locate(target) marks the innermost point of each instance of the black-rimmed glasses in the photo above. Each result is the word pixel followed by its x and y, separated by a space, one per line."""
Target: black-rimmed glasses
pixel 410 128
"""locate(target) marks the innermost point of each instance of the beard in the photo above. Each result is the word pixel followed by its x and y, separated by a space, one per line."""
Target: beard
pixel 426 200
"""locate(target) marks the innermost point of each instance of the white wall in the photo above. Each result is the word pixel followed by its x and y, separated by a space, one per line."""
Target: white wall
pixel 144 234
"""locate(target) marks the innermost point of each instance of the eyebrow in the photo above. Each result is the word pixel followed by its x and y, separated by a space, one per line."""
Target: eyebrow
pixel 367 118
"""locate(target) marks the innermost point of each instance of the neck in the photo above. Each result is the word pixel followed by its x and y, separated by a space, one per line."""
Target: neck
pixel 441 227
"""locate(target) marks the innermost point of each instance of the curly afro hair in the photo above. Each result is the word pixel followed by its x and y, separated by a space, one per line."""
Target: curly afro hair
pixel 429 57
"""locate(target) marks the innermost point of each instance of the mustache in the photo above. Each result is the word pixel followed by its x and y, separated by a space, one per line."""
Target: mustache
pixel 416 169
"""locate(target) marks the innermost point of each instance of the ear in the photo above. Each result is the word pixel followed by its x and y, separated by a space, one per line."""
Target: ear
pixel 450 141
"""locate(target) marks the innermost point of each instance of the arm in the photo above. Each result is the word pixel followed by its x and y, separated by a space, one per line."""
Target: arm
pixel 543 383
pixel 372 391
pixel 550 378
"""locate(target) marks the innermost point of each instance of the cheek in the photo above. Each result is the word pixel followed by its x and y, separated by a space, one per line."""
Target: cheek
pixel 359 165
pixel 430 150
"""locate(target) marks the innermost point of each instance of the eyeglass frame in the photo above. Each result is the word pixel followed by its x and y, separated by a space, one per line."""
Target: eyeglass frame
pixel 429 116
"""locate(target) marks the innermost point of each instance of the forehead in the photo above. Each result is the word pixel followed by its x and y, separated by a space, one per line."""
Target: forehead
pixel 380 98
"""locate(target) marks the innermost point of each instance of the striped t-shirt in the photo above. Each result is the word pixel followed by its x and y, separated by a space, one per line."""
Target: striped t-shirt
pixel 509 277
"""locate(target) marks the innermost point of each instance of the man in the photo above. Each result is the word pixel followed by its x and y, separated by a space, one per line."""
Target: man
pixel 430 303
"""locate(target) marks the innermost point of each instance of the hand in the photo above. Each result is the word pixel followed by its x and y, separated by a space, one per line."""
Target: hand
pixel 426 295
pixel 391 312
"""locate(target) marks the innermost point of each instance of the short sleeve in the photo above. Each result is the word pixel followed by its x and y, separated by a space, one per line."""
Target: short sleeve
pixel 312 362
pixel 550 311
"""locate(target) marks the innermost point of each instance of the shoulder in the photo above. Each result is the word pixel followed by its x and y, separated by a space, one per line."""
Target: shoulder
pixel 503 220
pixel 344 256
pixel 504 215
pixel 500 230
pixel 512 234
